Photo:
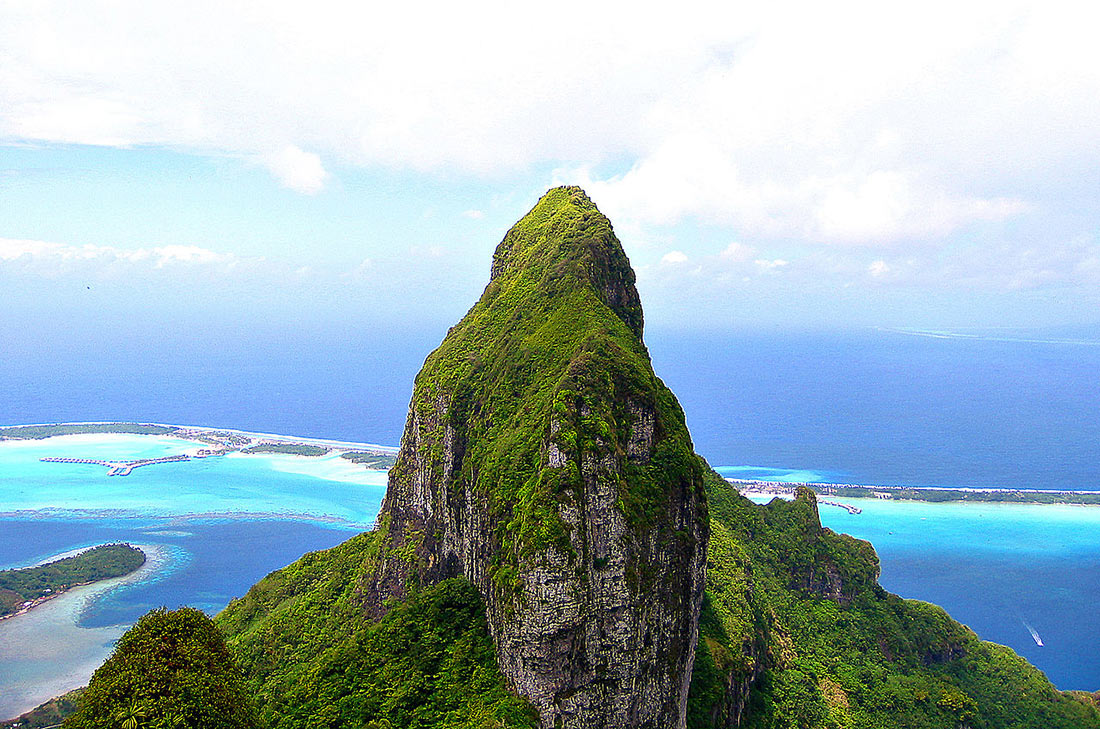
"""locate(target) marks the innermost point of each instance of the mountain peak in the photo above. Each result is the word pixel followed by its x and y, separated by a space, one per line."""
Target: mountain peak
pixel 545 462
pixel 565 235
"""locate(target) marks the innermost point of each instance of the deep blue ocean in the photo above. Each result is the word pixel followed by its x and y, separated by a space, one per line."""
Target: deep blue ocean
pixel 1001 408
pixel 991 409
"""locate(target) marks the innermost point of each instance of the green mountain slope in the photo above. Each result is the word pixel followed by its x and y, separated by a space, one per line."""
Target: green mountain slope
pixel 796 632
pixel 314 660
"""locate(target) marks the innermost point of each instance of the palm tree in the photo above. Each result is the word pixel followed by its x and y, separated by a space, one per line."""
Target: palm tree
pixel 130 714
pixel 174 720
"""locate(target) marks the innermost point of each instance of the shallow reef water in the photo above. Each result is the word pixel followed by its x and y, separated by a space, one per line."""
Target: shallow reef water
pixel 211 527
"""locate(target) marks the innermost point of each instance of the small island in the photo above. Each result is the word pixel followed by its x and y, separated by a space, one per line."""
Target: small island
pixel 39 432
pixel 24 589
pixel 293 449
pixel 374 460
pixel 934 494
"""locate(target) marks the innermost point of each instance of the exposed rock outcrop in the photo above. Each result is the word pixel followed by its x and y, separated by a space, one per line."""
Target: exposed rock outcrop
pixel 544 461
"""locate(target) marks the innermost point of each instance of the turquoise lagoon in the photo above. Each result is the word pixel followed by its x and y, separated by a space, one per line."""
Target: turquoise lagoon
pixel 212 528
pixel 329 488
pixel 217 525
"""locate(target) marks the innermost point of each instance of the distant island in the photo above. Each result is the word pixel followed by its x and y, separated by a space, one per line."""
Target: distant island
pixel 934 494
pixel 24 589
pixel 220 442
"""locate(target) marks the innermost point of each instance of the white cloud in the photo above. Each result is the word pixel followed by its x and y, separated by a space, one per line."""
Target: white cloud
pixel 737 252
pixel 297 170
pixel 184 254
pixel 851 122
pixel 674 257
pixel 473 214
pixel 48 254
pixel 12 249
pixel 1003 268
pixel 888 205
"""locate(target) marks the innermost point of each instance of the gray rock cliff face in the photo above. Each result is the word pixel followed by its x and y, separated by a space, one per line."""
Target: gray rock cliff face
pixel 544 461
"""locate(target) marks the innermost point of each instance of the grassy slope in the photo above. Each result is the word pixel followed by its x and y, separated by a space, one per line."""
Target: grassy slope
pixel 49 714
pixel 867 659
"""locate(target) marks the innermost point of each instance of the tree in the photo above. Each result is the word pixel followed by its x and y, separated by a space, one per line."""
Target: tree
pixel 170 671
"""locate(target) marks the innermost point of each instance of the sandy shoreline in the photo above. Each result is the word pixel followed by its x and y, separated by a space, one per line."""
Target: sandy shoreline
pixel 49 635
pixel 40 601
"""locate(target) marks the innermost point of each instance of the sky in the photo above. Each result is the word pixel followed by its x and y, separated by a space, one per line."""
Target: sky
pixel 274 166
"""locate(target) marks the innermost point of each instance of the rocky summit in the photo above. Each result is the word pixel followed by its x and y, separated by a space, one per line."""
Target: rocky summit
pixel 544 461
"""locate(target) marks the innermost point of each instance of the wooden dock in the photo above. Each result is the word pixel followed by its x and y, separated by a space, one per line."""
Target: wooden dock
pixel 119 468
pixel 847 507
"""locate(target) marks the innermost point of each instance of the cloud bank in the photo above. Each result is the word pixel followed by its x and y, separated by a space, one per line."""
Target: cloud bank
pixel 849 123
pixel 49 257
pixel 933 147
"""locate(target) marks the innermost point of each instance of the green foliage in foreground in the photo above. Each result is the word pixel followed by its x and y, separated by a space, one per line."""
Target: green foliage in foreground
pixel 38 432
pixel 313 660
pixel 294 449
pixel 100 563
pixel 794 612
pixel 171 670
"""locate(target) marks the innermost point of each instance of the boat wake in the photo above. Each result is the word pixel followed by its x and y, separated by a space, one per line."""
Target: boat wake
pixel 1034 633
